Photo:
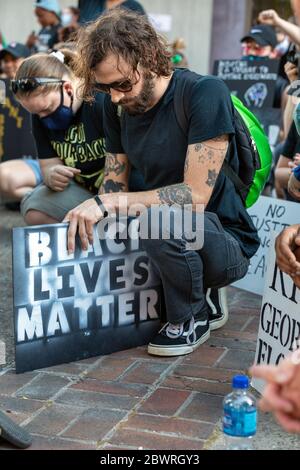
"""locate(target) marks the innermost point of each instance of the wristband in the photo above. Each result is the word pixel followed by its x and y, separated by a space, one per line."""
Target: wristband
pixel 100 204
pixel 296 173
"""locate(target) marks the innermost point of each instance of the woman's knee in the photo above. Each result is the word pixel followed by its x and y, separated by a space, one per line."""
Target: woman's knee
pixel 33 217
pixel 6 180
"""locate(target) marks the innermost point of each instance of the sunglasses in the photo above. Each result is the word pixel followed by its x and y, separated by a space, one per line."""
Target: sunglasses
pixel 124 86
pixel 30 84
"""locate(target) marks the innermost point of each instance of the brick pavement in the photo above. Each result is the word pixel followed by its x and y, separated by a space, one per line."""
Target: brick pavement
pixel 130 400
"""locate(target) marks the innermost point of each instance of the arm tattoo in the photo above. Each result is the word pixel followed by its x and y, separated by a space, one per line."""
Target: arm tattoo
pixel 212 178
pixel 112 164
pixel 179 194
pixel 209 153
pixel 111 186
pixel 186 163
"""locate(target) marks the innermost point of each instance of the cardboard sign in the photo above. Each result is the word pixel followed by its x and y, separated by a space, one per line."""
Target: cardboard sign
pixel 279 327
pixel 70 307
pixel 161 22
pixel 268 215
pixel 16 139
pixel 252 81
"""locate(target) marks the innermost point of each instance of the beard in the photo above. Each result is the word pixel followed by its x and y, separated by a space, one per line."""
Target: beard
pixel 143 101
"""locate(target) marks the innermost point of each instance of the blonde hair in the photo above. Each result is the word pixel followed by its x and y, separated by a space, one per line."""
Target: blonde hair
pixel 44 65
pixel 178 44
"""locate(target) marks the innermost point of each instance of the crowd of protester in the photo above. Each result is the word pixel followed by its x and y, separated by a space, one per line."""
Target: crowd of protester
pixel 83 154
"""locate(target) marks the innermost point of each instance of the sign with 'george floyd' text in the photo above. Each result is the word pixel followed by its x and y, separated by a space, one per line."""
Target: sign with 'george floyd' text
pixel 267 215
pixel 279 328
pixel 252 81
pixel 71 307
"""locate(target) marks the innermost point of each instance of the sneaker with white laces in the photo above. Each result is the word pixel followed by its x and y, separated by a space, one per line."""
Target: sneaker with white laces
pixel 178 340
pixel 218 308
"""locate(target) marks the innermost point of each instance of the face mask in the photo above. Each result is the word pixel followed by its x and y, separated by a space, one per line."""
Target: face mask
pixel 297 118
pixel 61 118
pixel 66 19
pixel 253 57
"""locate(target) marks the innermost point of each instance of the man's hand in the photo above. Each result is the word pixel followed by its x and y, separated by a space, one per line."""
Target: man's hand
pixel 86 215
pixel 269 17
pixel 58 177
pixel 286 244
pixel 31 40
pixel 282 392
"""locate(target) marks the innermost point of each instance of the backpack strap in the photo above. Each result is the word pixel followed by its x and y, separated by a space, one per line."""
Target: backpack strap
pixel 182 97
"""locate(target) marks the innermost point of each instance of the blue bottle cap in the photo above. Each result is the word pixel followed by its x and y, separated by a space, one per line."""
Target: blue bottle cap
pixel 240 381
pixel 296 172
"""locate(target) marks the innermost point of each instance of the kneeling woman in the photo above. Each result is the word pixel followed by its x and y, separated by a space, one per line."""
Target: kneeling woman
pixel 68 132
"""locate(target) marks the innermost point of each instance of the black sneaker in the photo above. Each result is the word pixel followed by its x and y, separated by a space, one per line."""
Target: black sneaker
pixel 13 433
pixel 218 309
pixel 177 340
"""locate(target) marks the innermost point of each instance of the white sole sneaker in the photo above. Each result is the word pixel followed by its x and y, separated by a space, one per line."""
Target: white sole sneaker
pixel 157 350
pixel 218 321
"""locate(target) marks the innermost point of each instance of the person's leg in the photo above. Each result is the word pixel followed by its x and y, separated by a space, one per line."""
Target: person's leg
pixel 44 206
pixel 33 217
pixel 185 275
pixel 16 179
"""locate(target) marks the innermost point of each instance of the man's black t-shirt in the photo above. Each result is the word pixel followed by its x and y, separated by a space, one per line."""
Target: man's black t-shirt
pixel 134 6
pixel 90 9
pixel 280 86
pixel 156 145
pixel 292 143
pixel 81 146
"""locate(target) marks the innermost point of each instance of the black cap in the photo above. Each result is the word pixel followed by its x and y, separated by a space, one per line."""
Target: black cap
pixel 262 34
pixel 15 49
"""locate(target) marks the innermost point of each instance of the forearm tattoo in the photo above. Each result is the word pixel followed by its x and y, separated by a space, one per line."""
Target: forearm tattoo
pixel 111 186
pixel 179 194
pixel 113 165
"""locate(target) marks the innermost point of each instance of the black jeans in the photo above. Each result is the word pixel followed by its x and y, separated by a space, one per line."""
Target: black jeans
pixel 186 274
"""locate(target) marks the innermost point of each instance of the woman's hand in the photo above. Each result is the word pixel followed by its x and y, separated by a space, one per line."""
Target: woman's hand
pixel 292 71
pixel 58 177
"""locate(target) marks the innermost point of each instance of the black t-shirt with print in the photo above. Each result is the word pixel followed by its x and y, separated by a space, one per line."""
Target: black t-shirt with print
pixel 48 37
pixel 81 146
pixel 156 145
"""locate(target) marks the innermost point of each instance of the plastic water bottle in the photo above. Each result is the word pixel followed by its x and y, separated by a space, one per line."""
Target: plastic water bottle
pixel 240 415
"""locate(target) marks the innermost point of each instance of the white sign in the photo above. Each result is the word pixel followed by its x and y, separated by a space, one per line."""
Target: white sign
pixel 279 326
pixel 268 215
pixel 162 23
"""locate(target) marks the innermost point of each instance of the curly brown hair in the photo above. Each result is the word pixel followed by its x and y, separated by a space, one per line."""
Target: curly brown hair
pixel 127 35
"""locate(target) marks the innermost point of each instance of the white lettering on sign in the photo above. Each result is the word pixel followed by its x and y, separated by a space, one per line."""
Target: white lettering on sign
pixel 268 215
pixel 279 327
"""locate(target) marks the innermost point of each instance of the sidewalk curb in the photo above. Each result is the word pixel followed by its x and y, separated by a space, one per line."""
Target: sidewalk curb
pixel 2 353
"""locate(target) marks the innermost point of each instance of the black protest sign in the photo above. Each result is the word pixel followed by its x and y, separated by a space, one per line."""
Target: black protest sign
pixel 16 139
pixel 252 81
pixel 270 119
pixel 70 307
